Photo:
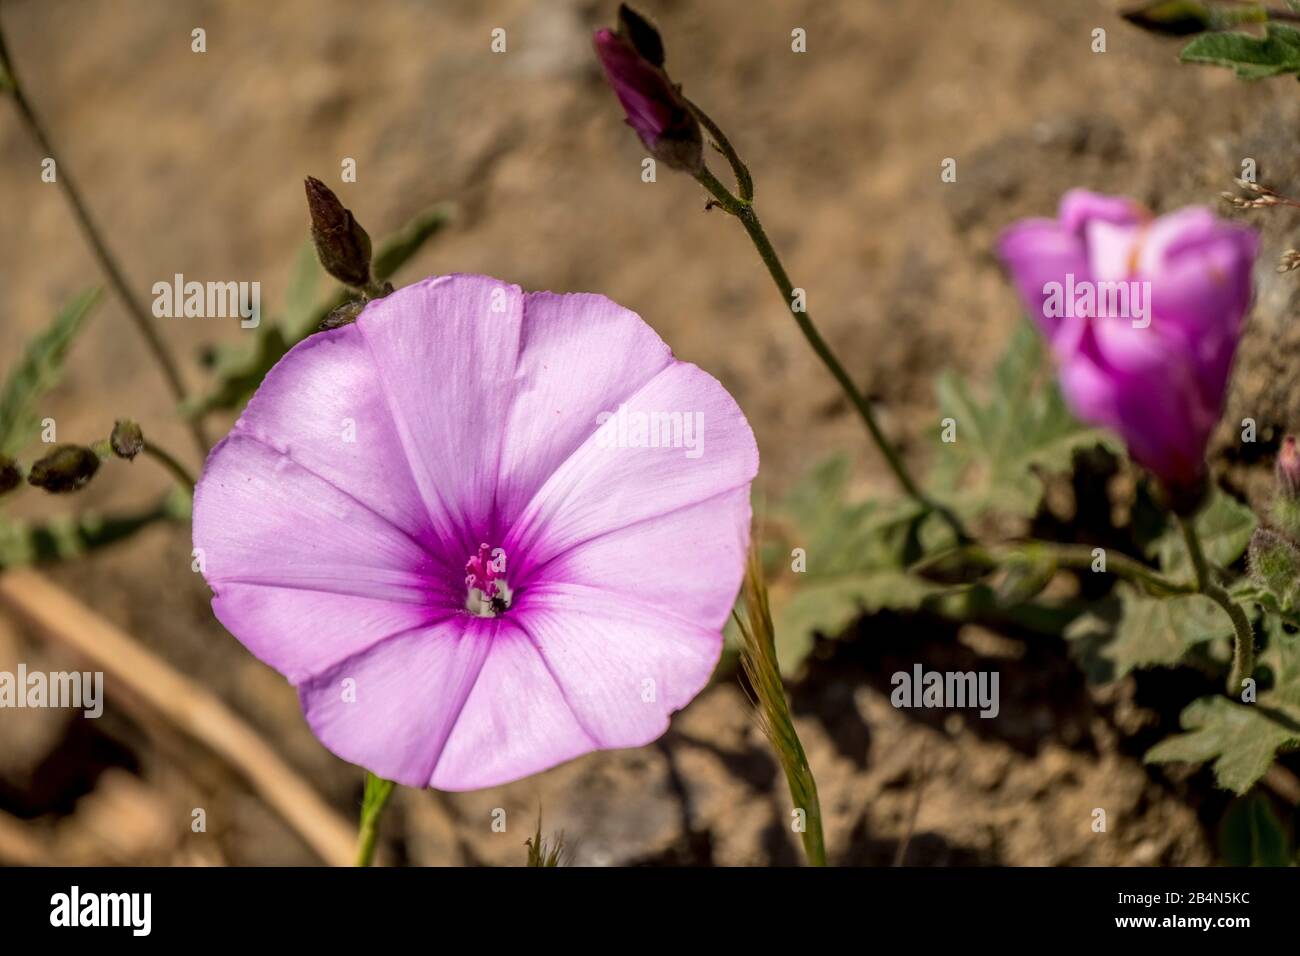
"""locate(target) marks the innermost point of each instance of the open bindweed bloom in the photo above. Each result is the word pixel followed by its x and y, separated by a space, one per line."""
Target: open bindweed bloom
pixel 1143 316
pixel 482 531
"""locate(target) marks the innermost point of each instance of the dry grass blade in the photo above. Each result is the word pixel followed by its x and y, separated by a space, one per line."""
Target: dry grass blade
pixel 189 706
pixel 540 853
pixel 758 656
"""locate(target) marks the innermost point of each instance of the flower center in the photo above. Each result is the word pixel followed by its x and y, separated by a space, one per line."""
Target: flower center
pixel 486 592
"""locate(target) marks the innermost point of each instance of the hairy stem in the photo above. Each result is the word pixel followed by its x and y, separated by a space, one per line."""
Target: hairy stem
pixel 1243 652
pixel 10 83
pixel 168 461
pixel 743 210
pixel 1074 556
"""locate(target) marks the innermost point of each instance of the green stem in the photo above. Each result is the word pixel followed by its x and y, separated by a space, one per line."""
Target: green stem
pixel 1080 557
pixel 744 182
pixel 168 461
pixel 1074 556
pixel 743 210
pixel 1243 653
pixel 376 797
pixel 10 83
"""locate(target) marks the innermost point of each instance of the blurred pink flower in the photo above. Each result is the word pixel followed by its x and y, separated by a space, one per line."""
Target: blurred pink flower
pixel 1155 369
pixel 418 521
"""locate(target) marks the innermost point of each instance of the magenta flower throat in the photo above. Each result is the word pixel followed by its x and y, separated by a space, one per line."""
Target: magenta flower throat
pixel 483 532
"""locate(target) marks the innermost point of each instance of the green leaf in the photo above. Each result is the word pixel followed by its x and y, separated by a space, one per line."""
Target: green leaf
pixel 38 370
pixel 301 305
pixel 829 603
pixel 854 556
pixel 1131 631
pixel 1242 739
pixel 1224 526
pixel 1002 443
pixel 64 537
pixel 1252 835
pixel 1252 57
pixel 239 371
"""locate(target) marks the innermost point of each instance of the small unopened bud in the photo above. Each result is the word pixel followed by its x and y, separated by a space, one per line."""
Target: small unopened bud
pixel 66 468
pixel 1171 17
pixel 1287 469
pixel 127 439
pixel 641 33
pixel 633 60
pixel 342 245
pixel 1274 562
pixel 10 475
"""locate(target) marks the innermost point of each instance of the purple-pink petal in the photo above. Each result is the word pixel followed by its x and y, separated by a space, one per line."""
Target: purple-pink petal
pixel 336 521
pixel 1156 376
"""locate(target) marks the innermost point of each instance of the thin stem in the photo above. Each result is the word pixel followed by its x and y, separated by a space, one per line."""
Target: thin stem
pixel 375 799
pixel 744 182
pixel 744 211
pixel 168 461
pixel 1080 557
pixel 1074 556
pixel 1274 13
pixel 1257 13
pixel 1243 653
pixel 10 83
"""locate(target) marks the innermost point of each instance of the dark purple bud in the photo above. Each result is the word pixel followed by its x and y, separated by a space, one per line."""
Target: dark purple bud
pixel 1287 469
pixel 342 245
pixel 641 33
pixel 653 106
pixel 1171 17
pixel 66 468
pixel 127 439
pixel 10 475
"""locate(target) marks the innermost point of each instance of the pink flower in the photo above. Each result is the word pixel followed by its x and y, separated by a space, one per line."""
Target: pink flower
pixel 419 521
pixel 1143 317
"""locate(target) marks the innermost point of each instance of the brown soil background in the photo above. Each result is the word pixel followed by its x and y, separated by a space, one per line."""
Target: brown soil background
pixel 193 163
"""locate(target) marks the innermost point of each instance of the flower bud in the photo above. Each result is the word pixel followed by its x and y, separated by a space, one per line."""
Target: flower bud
pixel 10 475
pixel 632 59
pixel 1287 469
pixel 1171 17
pixel 1274 563
pixel 641 34
pixel 1189 278
pixel 66 468
pixel 342 245
pixel 127 439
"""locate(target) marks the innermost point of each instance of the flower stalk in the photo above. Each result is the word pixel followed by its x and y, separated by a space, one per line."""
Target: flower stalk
pixel 1077 557
pixel 670 125
pixel 758 657
pixel 742 207
pixel 373 802
pixel 127 440
pixel 1243 652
